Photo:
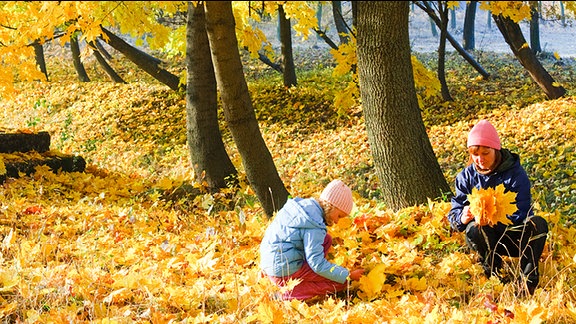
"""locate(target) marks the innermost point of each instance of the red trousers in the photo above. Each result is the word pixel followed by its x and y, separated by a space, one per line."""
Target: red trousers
pixel 312 284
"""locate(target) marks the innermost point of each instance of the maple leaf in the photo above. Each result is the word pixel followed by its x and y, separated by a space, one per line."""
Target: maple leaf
pixel 491 205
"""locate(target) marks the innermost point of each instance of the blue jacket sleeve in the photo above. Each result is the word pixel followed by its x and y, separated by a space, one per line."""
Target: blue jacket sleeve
pixel 458 201
pixel 314 251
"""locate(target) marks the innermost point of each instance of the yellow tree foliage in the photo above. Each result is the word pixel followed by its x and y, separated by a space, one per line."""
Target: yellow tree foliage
pixel 491 206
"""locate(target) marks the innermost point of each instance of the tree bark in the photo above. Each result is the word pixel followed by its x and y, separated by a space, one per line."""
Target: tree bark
pixel 405 162
pixel 238 110
pixel 209 158
pixel 514 37
pixel 144 61
pixel 289 74
pixel 78 65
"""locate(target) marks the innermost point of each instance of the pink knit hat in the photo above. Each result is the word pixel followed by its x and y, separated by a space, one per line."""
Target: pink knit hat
pixel 484 134
pixel 339 195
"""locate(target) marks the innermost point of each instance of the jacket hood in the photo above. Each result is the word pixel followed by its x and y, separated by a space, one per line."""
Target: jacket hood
pixel 304 213
pixel 509 159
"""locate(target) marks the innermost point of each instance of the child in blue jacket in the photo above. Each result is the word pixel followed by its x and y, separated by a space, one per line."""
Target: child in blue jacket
pixel 296 243
pixel 491 165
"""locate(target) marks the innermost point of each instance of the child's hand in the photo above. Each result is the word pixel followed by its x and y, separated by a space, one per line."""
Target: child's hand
pixel 356 274
pixel 466 215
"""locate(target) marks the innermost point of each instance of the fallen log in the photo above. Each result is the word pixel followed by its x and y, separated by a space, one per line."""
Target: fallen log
pixel 24 142
pixel 17 164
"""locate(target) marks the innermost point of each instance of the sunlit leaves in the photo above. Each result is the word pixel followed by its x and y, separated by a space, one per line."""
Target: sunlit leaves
pixel 111 244
pixel 515 10
pixel 491 206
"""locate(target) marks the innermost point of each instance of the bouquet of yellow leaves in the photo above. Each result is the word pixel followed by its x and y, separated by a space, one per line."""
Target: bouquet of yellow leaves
pixel 490 206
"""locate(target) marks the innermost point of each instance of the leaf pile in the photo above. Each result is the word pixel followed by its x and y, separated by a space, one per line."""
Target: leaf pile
pixel 490 206
pixel 132 239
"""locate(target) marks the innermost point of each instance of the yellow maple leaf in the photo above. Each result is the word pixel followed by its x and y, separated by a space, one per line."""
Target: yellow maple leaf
pixel 373 283
pixel 491 205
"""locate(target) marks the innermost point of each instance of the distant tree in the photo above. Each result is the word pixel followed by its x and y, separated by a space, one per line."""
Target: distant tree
pixel 40 59
pixel 535 27
pixel 515 39
pixel 289 69
pixel 443 10
pixel 340 22
pixel 208 155
pixel 238 110
pixel 104 64
pixel 469 23
pixel 425 5
pixel 76 59
pixel 405 162
pixel 146 62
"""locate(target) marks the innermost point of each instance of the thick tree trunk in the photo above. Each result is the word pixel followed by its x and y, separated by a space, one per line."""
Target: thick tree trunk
pixel 469 23
pixel 78 65
pixel 514 37
pixel 405 162
pixel 238 110
pixel 289 73
pixel 144 61
pixel 209 158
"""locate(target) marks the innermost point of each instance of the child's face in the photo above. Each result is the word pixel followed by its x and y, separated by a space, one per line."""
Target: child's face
pixel 334 216
pixel 484 157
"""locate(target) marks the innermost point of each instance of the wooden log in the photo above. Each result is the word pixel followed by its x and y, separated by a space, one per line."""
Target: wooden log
pixel 16 165
pixel 23 142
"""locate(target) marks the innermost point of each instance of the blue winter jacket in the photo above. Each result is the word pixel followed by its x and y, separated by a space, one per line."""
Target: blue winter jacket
pixel 295 235
pixel 509 172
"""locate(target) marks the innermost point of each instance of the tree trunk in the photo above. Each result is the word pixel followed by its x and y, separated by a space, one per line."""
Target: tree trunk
pixel 144 61
pixel 78 65
pixel 40 59
pixel 105 66
pixel 535 28
pixel 469 23
pixel 102 50
pixel 405 162
pixel 238 110
pixel 289 73
pixel 209 158
pixel 426 7
pixel 339 22
pixel 443 10
pixel 514 37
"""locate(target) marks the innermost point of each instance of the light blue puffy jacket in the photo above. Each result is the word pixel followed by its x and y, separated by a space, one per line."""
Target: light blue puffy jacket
pixel 296 234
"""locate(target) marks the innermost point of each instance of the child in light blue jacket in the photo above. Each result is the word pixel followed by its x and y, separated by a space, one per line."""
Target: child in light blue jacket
pixel 296 243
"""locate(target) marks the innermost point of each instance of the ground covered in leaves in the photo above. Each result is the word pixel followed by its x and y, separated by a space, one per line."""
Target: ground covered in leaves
pixel 129 241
